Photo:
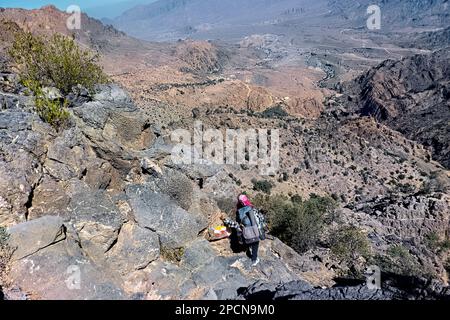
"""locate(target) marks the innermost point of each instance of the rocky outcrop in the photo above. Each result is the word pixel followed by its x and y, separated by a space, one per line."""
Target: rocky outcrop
pixel 157 212
pixel 410 96
pixel 394 289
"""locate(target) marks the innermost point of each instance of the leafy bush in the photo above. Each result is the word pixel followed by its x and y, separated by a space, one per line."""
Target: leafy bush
pixel 399 260
pixel 4 236
pixel 54 112
pixel 295 222
pixel 262 185
pixel 349 243
pixel 56 61
pixel 5 254
pixel 434 242
pixel 274 112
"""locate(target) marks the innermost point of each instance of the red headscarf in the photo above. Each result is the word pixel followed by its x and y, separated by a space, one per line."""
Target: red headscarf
pixel 244 201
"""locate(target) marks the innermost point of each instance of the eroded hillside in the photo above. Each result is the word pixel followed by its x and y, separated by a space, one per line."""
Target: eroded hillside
pixel 105 196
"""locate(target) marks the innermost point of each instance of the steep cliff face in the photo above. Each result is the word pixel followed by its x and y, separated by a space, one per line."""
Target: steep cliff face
pixel 410 96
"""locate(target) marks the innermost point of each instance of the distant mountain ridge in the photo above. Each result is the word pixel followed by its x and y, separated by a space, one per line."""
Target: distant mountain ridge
pixel 179 18
pixel 172 19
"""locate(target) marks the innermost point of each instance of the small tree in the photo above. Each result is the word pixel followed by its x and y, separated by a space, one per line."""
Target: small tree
pixel 349 243
pixel 399 260
pixel 262 185
pixel 295 222
pixel 56 61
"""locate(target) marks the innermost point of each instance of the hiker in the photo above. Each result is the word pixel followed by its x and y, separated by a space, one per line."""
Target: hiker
pixel 249 226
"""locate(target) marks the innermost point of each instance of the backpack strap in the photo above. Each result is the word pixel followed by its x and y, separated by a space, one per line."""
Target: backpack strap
pixel 251 215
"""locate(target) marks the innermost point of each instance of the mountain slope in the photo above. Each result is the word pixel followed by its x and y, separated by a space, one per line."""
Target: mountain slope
pixel 411 96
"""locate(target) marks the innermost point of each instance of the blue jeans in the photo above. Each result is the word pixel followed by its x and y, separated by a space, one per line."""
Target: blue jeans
pixel 254 251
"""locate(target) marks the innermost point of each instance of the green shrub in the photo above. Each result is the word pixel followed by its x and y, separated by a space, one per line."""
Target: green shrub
pixel 55 62
pixel 295 222
pixel 54 112
pixel 4 236
pixel 434 242
pixel 274 112
pixel 262 185
pixel 399 260
pixel 5 255
pixel 349 243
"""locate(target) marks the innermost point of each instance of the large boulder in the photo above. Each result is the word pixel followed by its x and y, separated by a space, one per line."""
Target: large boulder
pixel 49 264
pixel 116 129
pixel 30 237
pixel 20 168
pixel 135 249
pixel 158 212
pixel 96 218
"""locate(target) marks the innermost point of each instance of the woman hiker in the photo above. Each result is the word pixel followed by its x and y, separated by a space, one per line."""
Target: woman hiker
pixel 249 226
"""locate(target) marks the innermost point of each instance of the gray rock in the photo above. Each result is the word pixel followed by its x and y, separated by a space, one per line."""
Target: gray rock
pixel 199 253
pixel 10 101
pixel 62 272
pixel 98 174
pixel 16 121
pixel 115 128
pixel 49 198
pixel 30 237
pixel 216 271
pixel 78 96
pixel 301 290
pixel 94 206
pixel 112 93
pixel 96 219
pixel 94 114
pixel 135 249
pixel 175 226
pixel 393 288
pixel 52 93
pixel 176 185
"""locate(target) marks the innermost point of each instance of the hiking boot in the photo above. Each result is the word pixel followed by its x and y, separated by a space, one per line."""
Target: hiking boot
pixel 255 263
